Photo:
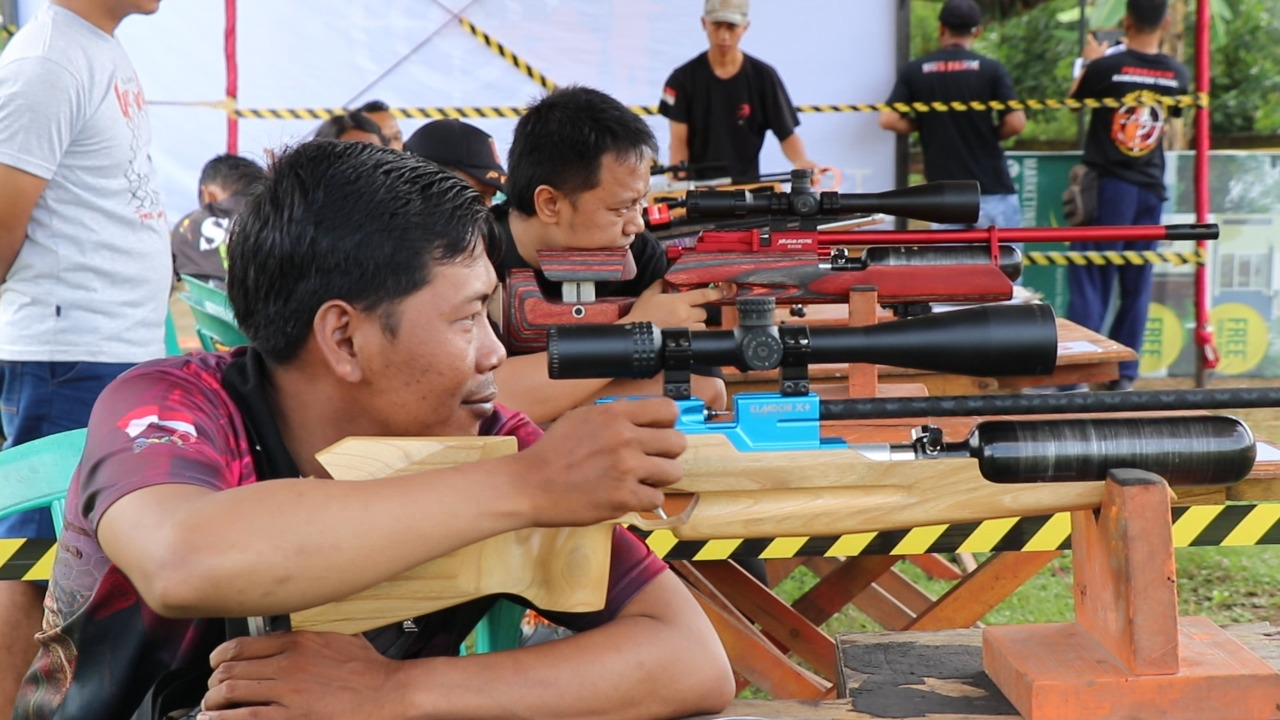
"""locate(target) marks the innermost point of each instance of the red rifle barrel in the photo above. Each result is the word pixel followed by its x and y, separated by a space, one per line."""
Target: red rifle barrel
pixel 1101 233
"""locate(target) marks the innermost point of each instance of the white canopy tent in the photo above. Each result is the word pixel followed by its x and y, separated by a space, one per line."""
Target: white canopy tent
pixel 294 54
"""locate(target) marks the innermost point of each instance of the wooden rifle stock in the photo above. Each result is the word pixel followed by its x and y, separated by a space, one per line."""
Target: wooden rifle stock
pixel 724 493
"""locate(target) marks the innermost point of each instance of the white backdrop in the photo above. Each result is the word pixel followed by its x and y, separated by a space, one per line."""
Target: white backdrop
pixel 329 53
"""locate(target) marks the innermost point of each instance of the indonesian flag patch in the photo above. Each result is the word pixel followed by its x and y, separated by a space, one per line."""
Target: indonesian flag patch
pixel 668 96
pixel 151 417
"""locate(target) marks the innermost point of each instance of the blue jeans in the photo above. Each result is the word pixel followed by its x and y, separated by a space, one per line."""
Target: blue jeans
pixel 999 210
pixel 43 398
pixel 1091 287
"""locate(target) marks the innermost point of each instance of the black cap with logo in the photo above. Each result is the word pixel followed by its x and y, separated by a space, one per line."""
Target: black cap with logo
pixel 454 143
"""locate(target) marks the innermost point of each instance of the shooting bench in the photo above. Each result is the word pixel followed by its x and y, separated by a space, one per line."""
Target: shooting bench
pixel 920 675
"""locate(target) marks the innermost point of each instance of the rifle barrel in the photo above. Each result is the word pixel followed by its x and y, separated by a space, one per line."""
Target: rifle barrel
pixel 1192 231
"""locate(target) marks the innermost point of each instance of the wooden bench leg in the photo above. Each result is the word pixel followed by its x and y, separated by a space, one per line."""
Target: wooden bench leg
pixel 838 587
pixel 981 590
pixel 753 656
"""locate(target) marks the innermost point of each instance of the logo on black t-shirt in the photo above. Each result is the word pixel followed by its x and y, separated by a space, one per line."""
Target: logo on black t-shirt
pixel 744 113
pixel 1137 126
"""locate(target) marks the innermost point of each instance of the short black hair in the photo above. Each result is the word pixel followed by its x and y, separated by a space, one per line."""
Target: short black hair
pixel 562 138
pixel 344 221
pixel 338 125
pixel 1147 15
pixel 374 106
pixel 232 173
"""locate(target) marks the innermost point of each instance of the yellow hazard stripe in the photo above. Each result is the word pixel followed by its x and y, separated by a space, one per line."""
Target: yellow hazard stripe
pixel 7 31
pixel 511 111
pixel 505 53
pixel 1198 525
pixel 26 558
pixel 1113 257
pixel 1233 525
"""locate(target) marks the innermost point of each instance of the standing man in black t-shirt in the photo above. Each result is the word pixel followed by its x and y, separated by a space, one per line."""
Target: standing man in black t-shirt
pixel 722 102
pixel 1124 145
pixel 578 174
pixel 962 145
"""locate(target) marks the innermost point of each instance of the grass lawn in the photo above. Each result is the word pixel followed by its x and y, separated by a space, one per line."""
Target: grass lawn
pixel 1225 584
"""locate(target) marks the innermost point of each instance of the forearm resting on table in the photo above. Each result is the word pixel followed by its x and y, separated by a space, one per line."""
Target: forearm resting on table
pixel 659 659
pixel 291 544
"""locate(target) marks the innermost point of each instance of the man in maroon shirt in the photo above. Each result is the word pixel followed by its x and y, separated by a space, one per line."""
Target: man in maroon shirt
pixel 360 276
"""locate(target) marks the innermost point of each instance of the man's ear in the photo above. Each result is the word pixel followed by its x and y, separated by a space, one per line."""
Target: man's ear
pixel 977 32
pixel 334 332
pixel 547 204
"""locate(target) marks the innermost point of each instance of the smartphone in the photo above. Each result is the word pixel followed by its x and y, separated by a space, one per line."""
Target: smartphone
pixel 1108 37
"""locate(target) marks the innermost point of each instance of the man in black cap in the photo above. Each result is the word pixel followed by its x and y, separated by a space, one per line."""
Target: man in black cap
pixel 962 145
pixel 465 150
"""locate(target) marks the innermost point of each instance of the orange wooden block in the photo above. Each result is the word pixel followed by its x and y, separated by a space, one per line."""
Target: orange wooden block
pixel 864 378
pixel 1059 672
pixel 1128 655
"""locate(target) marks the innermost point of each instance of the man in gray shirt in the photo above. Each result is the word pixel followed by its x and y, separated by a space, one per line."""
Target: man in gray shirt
pixel 85 264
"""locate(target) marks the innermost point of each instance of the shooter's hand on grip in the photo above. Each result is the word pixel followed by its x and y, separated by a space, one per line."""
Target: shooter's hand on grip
pixel 600 462
pixel 666 310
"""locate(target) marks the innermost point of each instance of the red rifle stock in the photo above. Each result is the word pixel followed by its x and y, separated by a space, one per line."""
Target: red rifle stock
pixel 527 313
pixel 798 267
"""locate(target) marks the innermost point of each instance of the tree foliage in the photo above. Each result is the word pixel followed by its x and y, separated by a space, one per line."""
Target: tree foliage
pixel 1038 40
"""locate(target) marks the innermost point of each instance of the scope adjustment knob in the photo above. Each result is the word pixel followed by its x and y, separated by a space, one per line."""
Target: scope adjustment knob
pixel 755 311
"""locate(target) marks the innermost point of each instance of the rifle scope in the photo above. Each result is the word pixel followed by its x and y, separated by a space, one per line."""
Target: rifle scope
pixel 986 340
pixel 950 201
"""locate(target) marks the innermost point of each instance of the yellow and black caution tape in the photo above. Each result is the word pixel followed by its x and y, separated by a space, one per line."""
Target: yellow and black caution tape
pixel 1114 257
pixel 1195 526
pixel 420 113
pixel 1142 97
pixel 7 31
pixel 26 558
pixel 511 111
pixel 512 59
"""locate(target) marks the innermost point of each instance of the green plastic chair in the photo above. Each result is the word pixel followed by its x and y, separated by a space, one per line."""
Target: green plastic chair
pixel 499 629
pixel 171 346
pixel 215 321
pixel 37 474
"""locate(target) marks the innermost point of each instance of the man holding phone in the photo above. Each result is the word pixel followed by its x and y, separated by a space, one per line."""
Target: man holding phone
pixel 1125 147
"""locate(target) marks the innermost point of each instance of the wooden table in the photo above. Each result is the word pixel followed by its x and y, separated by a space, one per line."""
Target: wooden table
pixel 1084 356
pixel 918 676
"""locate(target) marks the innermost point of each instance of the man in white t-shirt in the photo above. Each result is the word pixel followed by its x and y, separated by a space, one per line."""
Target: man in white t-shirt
pixel 85 264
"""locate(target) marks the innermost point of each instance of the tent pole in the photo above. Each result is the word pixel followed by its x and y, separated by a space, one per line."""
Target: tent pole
pixel 233 79
pixel 1207 357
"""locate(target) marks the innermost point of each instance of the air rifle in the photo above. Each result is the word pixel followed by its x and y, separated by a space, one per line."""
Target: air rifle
pixel 770 473
pixel 527 311
pixel 807 266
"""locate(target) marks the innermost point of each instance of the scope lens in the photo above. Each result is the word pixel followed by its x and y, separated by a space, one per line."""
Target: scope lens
pixel 598 351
